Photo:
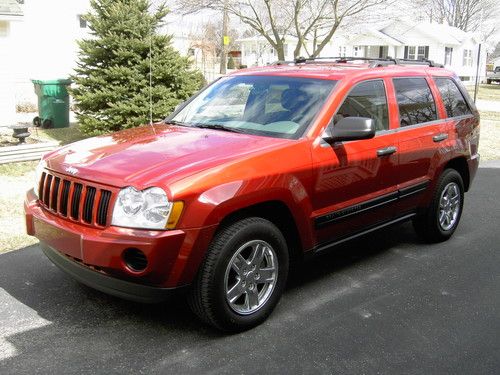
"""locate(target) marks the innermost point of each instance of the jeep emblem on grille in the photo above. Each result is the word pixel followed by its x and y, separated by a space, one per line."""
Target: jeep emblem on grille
pixel 72 170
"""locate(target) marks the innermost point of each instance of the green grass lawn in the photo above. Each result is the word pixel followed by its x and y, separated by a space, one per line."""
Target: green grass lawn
pixel 61 135
pixel 489 143
pixel 486 92
pixel 18 178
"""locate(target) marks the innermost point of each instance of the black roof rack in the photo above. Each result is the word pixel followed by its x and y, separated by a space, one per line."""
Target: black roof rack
pixel 374 61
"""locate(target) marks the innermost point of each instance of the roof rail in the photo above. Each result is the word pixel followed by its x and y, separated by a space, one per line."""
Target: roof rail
pixel 374 61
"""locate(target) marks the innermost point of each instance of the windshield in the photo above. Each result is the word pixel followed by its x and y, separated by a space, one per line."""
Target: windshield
pixel 273 106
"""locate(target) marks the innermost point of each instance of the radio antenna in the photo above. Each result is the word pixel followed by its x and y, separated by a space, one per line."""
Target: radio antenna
pixel 151 79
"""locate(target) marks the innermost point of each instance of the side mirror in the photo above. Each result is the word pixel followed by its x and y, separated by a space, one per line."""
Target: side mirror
pixel 350 129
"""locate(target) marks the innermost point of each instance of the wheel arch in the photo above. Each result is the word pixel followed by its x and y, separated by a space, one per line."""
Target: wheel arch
pixel 461 166
pixel 279 214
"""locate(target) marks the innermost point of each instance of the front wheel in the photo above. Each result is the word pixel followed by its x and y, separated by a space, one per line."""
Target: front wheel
pixel 441 219
pixel 243 275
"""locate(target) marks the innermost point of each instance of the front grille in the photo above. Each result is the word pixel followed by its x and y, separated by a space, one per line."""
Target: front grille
pixel 75 200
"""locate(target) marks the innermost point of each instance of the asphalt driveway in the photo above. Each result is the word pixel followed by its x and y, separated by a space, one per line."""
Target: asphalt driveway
pixel 384 304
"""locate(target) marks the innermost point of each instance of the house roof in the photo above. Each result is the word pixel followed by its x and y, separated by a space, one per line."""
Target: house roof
pixel 378 35
pixel 441 33
pixel 10 8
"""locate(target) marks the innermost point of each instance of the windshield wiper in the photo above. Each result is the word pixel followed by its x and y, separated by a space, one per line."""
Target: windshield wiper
pixel 178 123
pixel 219 127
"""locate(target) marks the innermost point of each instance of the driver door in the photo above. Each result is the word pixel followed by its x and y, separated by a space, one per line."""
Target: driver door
pixel 355 182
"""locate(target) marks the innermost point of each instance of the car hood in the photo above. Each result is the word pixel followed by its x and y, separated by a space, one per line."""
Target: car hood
pixel 153 155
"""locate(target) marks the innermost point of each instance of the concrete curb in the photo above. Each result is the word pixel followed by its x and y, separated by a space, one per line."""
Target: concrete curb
pixel 489 164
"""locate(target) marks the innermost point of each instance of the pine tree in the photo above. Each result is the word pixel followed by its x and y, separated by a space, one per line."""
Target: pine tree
pixel 112 90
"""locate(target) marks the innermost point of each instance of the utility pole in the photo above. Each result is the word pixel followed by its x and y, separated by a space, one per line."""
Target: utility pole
pixel 225 40
pixel 476 86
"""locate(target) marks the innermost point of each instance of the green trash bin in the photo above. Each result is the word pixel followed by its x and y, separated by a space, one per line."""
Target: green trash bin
pixel 53 103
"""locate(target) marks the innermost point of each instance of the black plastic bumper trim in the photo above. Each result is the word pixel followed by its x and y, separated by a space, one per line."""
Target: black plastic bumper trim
pixel 335 216
pixel 108 284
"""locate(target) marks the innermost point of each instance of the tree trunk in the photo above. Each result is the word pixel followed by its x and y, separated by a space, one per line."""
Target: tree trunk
pixel 280 50
pixel 223 57
pixel 296 52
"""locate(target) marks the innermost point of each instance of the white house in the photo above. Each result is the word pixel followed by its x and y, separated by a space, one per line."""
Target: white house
pixel 37 41
pixel 10 14
pixel 256 50
pixel 443 44
pixel 456 49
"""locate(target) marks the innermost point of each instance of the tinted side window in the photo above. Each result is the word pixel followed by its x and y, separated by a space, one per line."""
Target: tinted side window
pixel 366 99
pixel 453 99
pixel 415 100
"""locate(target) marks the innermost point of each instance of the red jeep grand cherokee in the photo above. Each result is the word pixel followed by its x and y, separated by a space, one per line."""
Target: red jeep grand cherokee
pixel 262 166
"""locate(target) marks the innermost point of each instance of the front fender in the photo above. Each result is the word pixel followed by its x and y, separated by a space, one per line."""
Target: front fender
pixel 213 205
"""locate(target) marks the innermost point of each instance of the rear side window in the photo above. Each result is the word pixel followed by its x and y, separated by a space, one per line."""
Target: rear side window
pixel 415 101
pixel 366 99
pixel 453 99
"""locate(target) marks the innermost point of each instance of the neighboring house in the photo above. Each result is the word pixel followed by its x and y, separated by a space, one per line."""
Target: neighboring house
pixel 256 50
pixel 456 49
pixel 10 14
pixel 41 44
pixel 443 44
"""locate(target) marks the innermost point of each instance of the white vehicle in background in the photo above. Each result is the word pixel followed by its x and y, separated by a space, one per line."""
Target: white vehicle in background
pixel 495 77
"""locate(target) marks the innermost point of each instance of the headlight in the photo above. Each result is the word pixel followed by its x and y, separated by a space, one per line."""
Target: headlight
pixel 147 209
pixel 38 176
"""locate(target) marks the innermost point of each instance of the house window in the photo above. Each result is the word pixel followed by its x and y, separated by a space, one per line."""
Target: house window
pixel 448 53
pixel 356 51
pixel 383 51
pixel 411 53
pixel 421 53
pixel 82 21
pixel 467 61
pixel 416 52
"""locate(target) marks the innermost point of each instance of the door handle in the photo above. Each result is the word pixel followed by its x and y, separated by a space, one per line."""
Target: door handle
pixel 386 151
pixel 440 137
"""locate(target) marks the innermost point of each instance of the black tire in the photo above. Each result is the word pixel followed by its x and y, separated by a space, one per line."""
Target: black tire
pixel 207 298
pixel 427 224
pixel 47 124
pixel 488 81
pixel 37 122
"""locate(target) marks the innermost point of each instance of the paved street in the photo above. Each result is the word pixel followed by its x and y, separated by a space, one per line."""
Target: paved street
pixel 386 304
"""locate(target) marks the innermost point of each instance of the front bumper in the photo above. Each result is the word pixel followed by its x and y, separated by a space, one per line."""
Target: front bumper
pixel 173 256
pixel 107 284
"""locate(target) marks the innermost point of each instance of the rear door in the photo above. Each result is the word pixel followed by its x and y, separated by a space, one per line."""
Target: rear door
pixel 355 184
pixel 423 138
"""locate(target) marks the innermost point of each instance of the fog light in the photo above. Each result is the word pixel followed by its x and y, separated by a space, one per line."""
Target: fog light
pixel 135 259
